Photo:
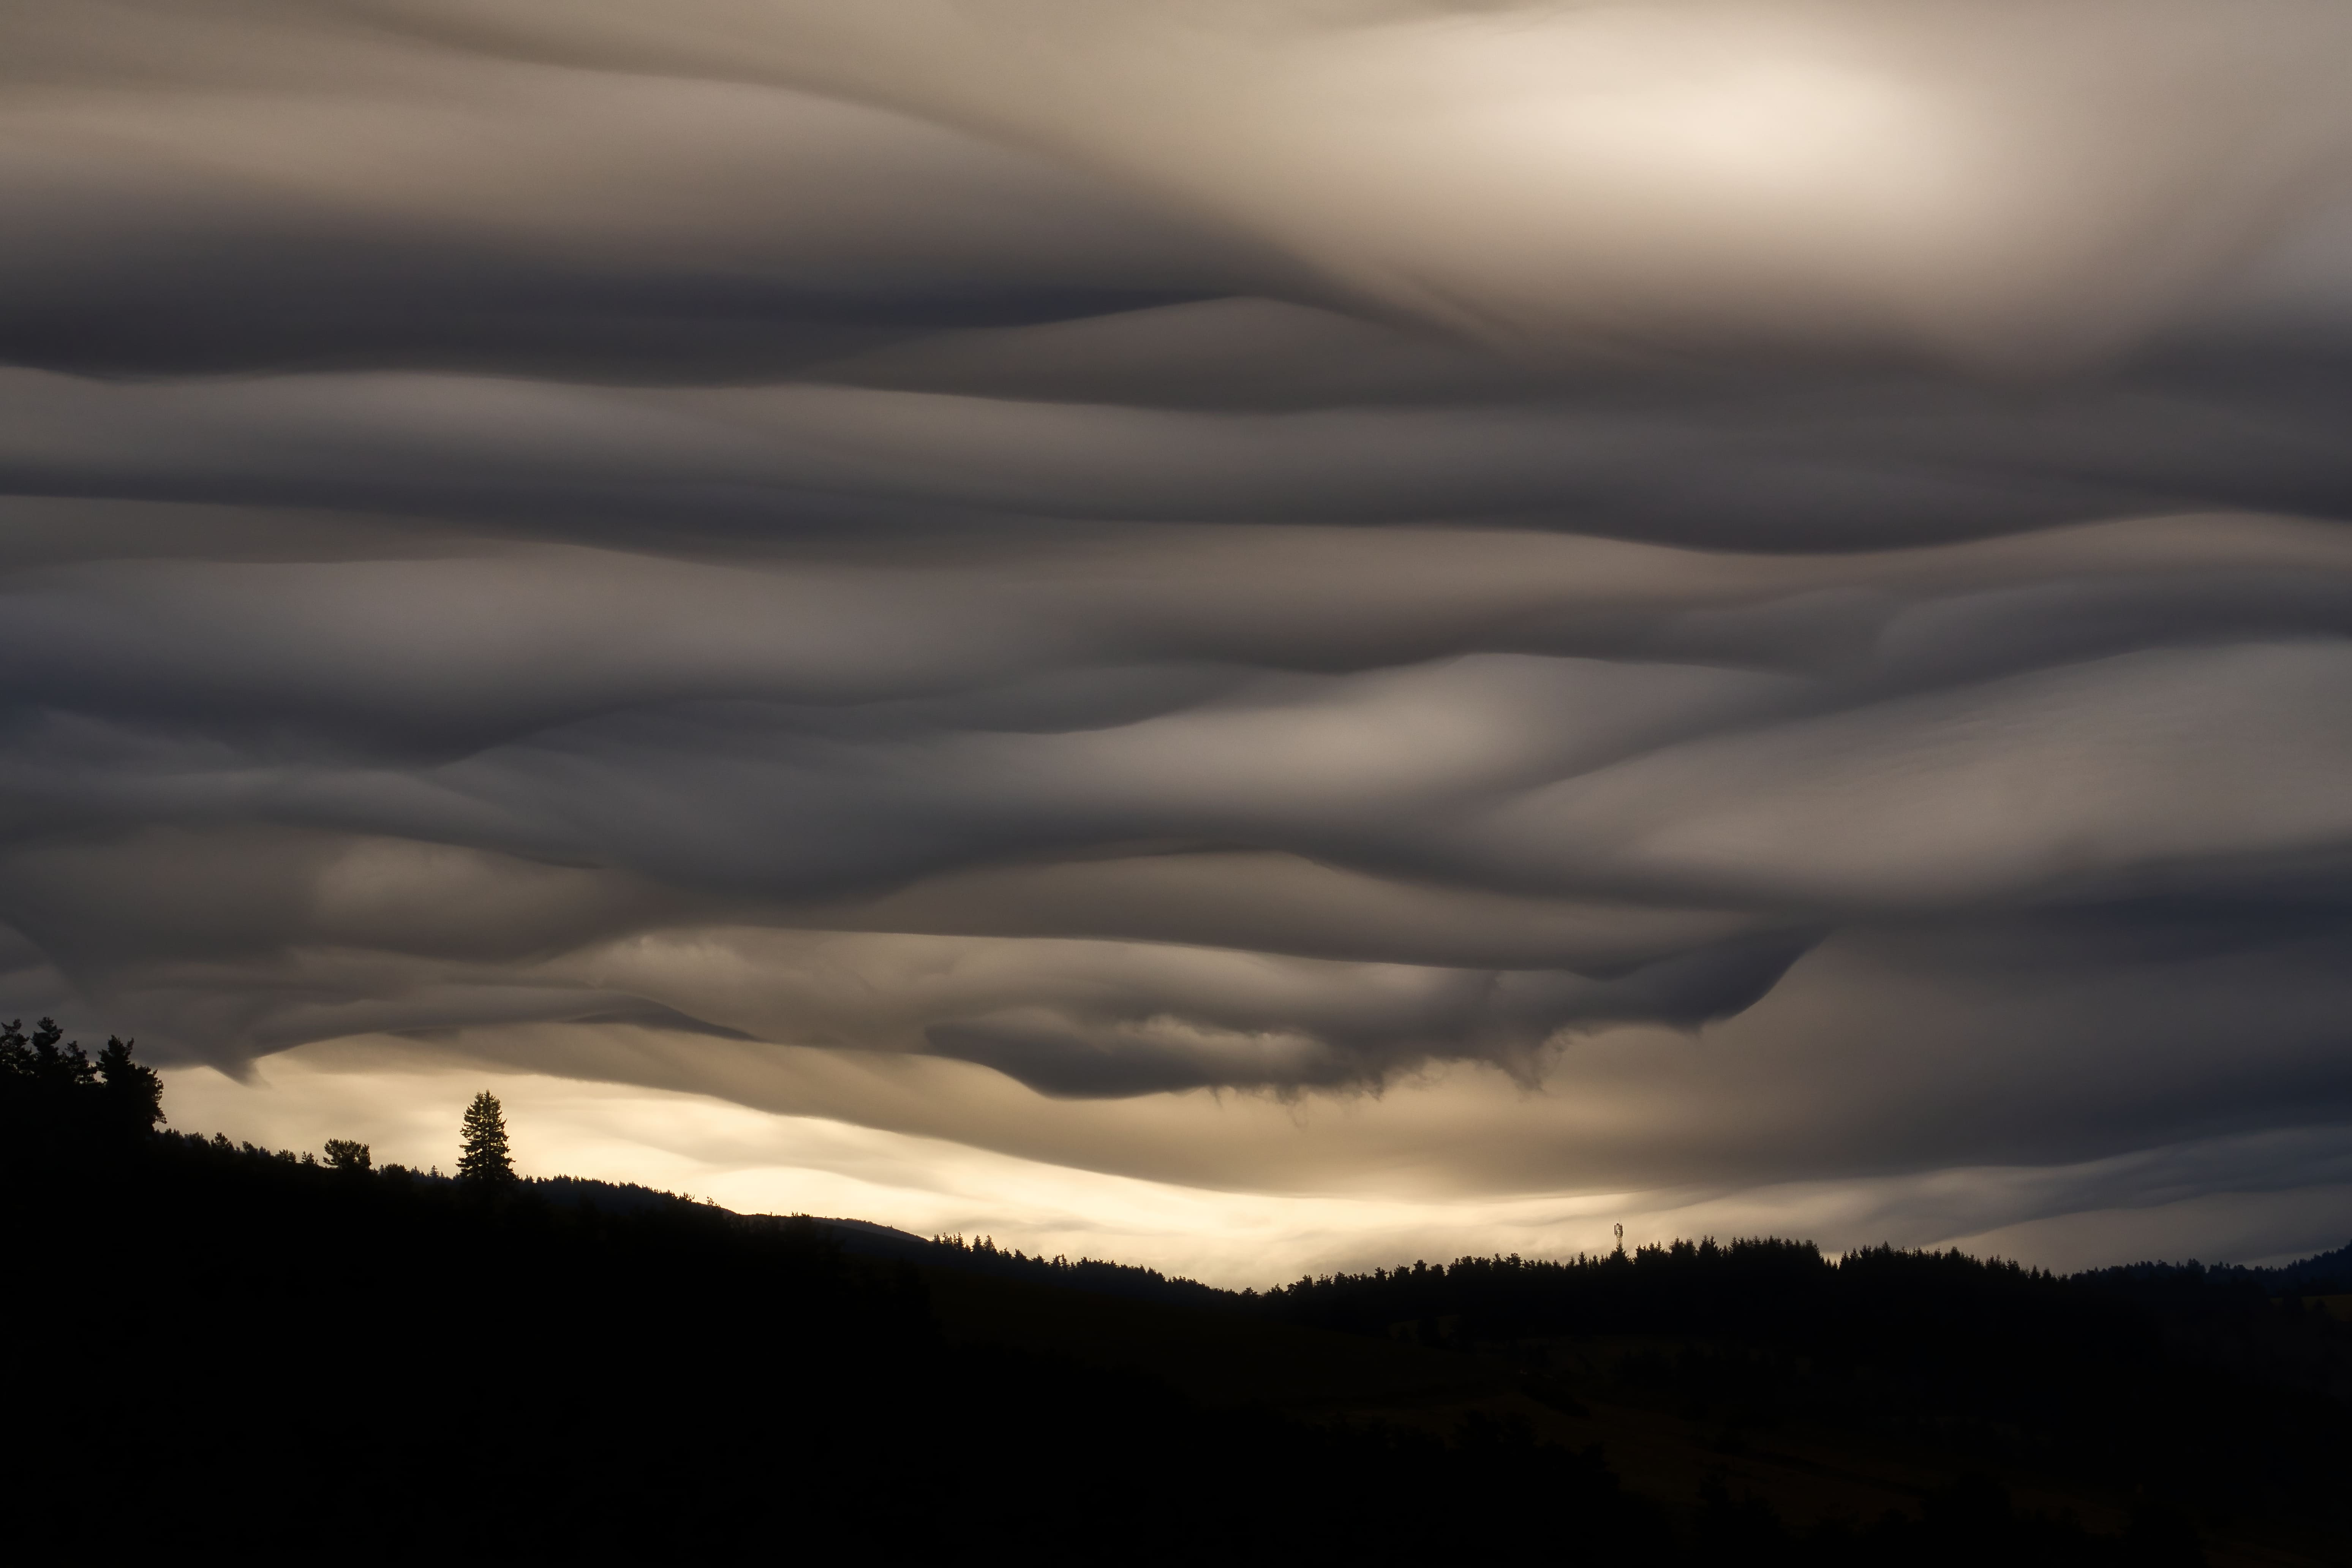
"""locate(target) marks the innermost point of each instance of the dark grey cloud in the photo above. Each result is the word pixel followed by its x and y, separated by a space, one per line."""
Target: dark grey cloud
pixel 1203 548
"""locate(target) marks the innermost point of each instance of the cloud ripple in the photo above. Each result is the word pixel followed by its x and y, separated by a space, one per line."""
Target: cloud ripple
pixel 1204 547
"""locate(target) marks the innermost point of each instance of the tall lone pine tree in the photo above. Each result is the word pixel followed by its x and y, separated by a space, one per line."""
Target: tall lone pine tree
pixel 485 1157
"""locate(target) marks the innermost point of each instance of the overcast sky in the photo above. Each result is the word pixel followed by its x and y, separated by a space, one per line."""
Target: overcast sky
pixel 1244 634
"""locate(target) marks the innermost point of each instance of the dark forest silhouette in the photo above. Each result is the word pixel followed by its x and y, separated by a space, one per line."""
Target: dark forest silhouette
pixel 222 1344
pixel 1095 1275
pixel 2194 1387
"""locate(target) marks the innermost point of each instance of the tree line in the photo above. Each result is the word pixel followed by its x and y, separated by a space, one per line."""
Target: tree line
pixel 239 1344
pixel 214 1343
pixel 2197 1387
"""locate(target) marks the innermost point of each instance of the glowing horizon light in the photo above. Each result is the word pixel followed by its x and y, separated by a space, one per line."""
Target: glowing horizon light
pixel 1249 628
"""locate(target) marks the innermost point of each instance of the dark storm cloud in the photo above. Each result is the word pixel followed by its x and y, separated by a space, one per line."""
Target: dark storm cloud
pixel 1203 546
pixel 1676 772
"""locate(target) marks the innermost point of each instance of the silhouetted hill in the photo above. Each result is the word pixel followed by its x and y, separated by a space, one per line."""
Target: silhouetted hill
pixel 610 1197
pixel 982 1255
pixel 222 1344
pixel 2323 1274
pixel 2202 1388
pixel 2327 1272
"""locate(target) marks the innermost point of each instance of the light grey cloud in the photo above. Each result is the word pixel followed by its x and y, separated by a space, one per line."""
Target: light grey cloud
pixel 1775 571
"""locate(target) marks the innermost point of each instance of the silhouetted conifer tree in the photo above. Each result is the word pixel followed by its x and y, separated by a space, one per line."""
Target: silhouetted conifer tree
pixel 485 1158
pixel 349 1154
pixel 134 1091
pixel 50 1091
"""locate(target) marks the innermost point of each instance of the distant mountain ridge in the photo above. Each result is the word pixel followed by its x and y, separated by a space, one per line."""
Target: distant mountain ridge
pixel 2332 1266
pixel 982 1255
pixel 2331 1272
pixel 865 1238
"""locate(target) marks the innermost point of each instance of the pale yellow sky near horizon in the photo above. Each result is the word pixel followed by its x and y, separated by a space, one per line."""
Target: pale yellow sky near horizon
pixel 407 1104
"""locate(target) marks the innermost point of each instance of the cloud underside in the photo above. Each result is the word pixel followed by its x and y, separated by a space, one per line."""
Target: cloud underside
pixel 1774 572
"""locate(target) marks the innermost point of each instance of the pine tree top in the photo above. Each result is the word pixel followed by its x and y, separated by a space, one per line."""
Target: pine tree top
pixel 485 1157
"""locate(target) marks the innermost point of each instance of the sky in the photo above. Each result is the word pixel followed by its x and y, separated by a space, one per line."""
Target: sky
pixel 1250 637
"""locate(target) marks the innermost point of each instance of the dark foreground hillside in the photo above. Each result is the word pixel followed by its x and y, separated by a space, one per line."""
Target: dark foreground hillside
pixel 227 1349
pixel 2186 1401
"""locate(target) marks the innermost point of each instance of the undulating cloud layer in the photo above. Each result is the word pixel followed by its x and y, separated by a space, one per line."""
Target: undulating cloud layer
pixel 1624 608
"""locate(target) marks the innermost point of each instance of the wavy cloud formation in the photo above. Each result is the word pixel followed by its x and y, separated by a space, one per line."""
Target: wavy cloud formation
pixel 1773 571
